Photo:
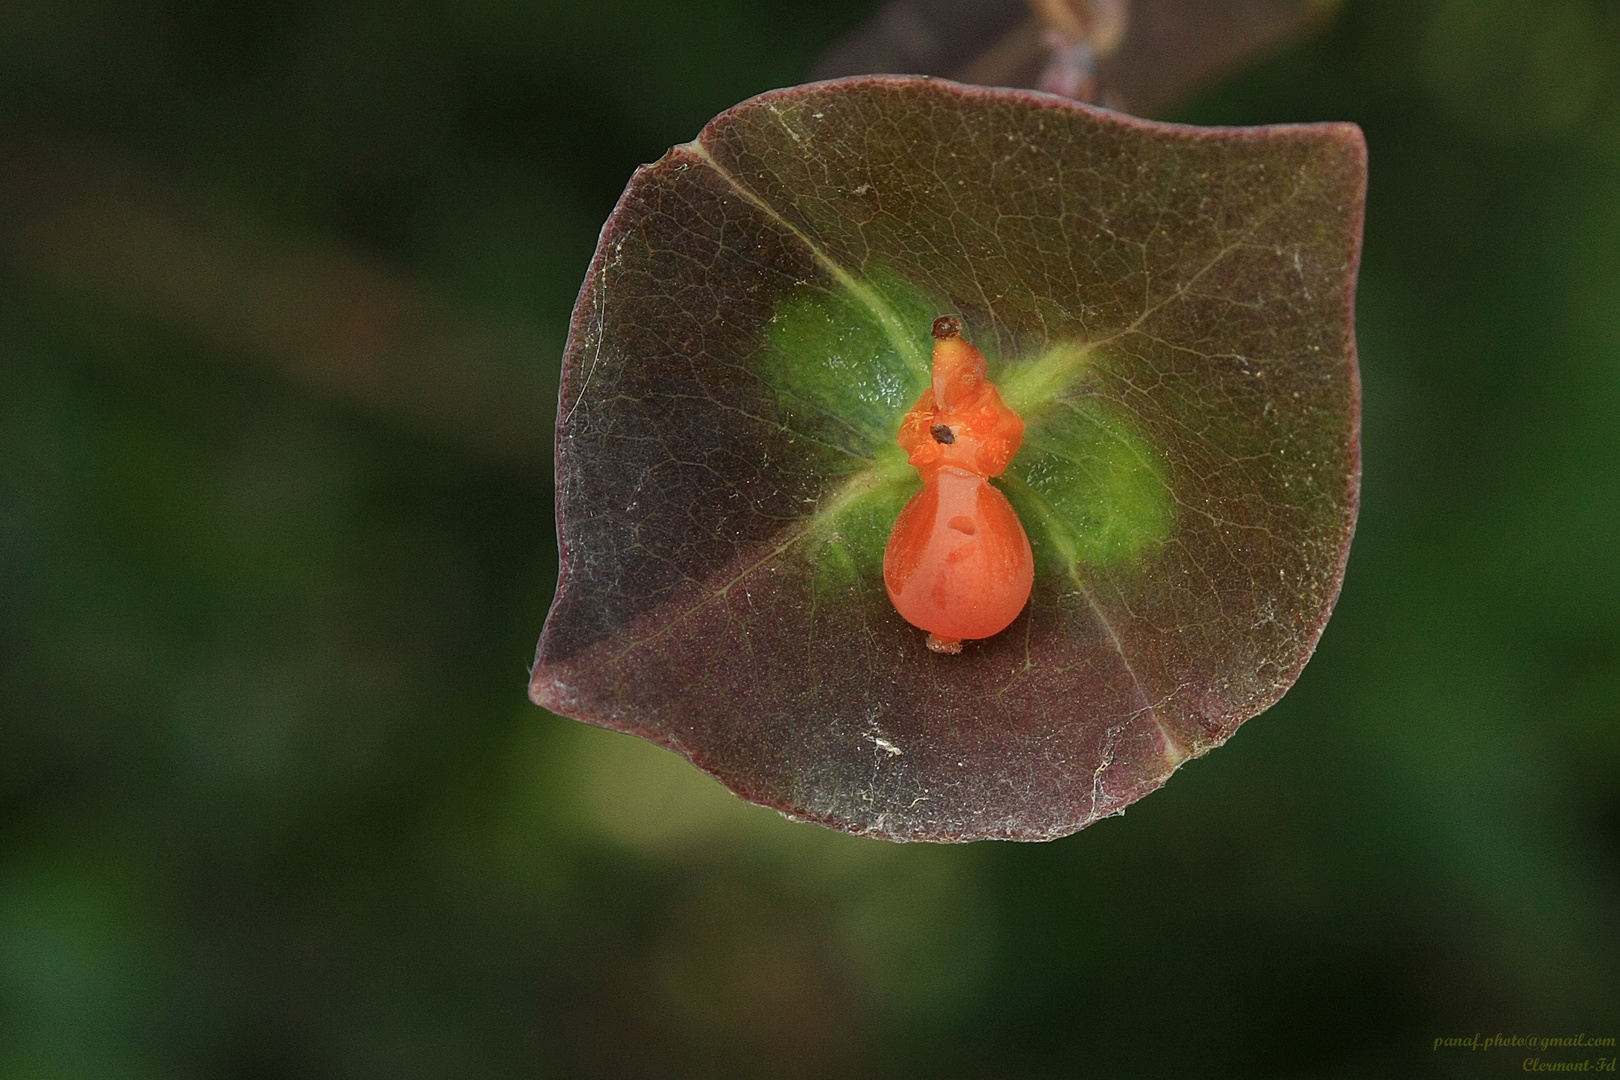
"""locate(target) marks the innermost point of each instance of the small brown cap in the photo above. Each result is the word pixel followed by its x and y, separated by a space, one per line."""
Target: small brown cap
pixel 947 327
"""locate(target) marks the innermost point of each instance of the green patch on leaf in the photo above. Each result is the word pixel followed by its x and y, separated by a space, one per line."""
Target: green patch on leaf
pixel 855 524
pixel 847 364
pixel 1089 488
pixel 852 530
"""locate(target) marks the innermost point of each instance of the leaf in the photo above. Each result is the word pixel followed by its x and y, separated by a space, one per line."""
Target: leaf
pixel 1159 53
pixel 1169 308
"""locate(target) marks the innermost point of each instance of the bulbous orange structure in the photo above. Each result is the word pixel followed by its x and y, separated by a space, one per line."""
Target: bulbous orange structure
pixel 958 563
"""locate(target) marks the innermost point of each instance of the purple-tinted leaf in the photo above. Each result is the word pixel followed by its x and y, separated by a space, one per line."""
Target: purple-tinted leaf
pixel 1169 308
pixel 1152 54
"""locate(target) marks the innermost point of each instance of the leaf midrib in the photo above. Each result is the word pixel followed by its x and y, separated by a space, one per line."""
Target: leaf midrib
pixel 893 329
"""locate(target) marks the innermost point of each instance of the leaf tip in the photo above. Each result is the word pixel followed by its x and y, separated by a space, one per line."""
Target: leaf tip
pixel 544 690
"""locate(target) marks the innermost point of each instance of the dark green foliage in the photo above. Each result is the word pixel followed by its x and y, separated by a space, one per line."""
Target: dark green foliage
pixel 272 802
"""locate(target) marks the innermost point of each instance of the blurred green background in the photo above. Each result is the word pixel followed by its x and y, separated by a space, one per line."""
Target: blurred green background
pixel 285 288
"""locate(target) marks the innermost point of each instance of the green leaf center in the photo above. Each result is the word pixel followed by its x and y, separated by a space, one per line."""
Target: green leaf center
pixel 1088 483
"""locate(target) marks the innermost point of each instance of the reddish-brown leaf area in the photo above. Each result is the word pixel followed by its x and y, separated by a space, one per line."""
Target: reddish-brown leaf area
pixel 715 594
